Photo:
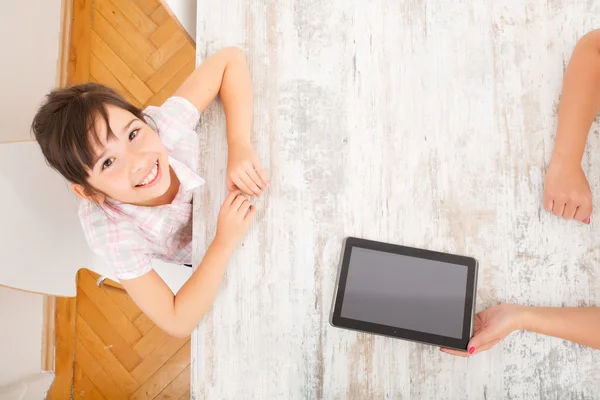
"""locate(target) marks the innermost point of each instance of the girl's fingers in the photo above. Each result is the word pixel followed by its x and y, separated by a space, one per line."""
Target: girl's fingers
pixel 251 185
pixel 255 177
pixel 239 201
pixel 240 184
pixel 230 185
pixel 250 214
pixel 261 172
pixel 231 197
pixel 244 207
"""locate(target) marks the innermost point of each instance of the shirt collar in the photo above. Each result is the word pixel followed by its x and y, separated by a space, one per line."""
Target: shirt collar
pixel 188 179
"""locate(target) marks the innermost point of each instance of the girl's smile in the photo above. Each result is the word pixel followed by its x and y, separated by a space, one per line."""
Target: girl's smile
pixel 152 178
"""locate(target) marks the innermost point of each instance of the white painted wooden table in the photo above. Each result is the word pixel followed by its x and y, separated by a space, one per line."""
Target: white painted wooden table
pixel 424 123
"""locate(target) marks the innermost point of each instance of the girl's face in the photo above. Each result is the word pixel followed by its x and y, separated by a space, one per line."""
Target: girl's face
pixel 131 167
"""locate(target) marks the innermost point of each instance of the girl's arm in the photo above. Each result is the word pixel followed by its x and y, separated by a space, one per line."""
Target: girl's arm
pixel 226 73
pixel 580 325
pixel 567 192
pixel 179 314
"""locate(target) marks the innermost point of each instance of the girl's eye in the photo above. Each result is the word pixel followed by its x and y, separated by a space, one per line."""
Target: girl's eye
pixel 133 134
pixel 107 163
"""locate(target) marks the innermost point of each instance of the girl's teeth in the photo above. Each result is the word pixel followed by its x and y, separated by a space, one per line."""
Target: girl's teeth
pixel 150 177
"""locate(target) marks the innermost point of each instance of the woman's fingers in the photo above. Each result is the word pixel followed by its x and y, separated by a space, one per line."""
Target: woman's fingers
pixel 570 209
pixel 261 171
pixel 458 353
pixel 558 208
pixel 482 348
pixel 583 213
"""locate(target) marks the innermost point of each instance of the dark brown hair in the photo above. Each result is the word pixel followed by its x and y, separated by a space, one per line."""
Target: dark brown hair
pixel 65 128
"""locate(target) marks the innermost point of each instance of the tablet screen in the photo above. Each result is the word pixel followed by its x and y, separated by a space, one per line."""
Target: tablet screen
pixel 405 292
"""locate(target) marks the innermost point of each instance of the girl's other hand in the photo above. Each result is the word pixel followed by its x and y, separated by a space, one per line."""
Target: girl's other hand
pixel 234 219
pixel 491 326
pixel 244 171
pixel 567 192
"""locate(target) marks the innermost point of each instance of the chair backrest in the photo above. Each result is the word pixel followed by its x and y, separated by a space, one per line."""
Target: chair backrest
pixel 42 245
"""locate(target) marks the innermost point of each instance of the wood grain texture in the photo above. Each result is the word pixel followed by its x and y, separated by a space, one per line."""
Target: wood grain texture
pixel 120 353
pixel 124 50
pixel 148 6
pixel 64 46
pixel 49 333
pixel 168 375
pixel 160 16
pixel 130 32
pixel 83 388
pixel 136 16
pixel 170 69
pixel 79 45
pixel 107 332
pixel 423 123
pixel 127 330
pixel 64 353
pixel 105 358
pixel 179 387
pixel 119 69
pixel 167 50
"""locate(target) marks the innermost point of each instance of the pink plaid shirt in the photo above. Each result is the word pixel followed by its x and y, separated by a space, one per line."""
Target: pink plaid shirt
pixel 130 238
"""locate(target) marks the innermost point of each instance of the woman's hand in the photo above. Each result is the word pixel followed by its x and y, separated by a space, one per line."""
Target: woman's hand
pixel 244 171
pixel 567 192
pixel 491 326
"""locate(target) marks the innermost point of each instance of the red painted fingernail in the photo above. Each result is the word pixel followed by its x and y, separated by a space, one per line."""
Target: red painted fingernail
pixel 589 220
pixel 472 350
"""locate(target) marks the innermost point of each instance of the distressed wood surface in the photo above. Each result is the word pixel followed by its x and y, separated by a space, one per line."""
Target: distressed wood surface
pixel 423 123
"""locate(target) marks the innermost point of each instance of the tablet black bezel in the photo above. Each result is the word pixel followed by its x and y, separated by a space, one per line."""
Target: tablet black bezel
pixel 338 321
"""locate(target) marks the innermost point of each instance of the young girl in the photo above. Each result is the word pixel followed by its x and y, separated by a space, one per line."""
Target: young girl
pixel 134 171
pixel 567 194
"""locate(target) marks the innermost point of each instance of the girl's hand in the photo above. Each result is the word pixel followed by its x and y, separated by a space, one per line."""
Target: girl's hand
pixel 567 191
pixel 244 171
pixel 491 326
pixel 234 219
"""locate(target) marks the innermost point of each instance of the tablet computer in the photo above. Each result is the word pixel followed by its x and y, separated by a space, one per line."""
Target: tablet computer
pixel 404 292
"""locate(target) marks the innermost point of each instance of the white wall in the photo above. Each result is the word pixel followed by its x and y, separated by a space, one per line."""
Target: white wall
pixel 29 33
pixel 185 11
pixel 21 314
